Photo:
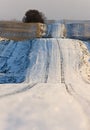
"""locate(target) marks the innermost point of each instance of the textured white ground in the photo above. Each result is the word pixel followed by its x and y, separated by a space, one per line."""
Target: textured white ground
pixel 56 92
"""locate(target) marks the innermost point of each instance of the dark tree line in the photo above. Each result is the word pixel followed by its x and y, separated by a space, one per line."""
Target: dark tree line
pixel 34 16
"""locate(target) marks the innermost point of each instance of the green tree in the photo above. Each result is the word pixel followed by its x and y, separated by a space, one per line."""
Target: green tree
pixel 34 16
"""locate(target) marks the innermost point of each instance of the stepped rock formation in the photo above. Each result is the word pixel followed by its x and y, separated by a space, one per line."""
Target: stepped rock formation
pixel 45 84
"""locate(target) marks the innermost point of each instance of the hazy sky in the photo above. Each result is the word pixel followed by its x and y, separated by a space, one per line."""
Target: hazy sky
pixel 54 9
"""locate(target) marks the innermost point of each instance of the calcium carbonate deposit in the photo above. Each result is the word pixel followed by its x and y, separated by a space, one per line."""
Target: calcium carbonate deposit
pixel 45 84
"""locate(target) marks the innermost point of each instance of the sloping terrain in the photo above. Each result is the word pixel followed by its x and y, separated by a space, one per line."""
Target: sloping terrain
pixel 45 84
